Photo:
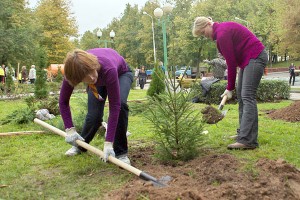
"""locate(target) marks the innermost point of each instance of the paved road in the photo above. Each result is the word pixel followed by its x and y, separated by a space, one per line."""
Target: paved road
pixel 285 76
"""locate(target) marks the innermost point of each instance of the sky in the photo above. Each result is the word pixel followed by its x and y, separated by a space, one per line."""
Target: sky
pixel 92 14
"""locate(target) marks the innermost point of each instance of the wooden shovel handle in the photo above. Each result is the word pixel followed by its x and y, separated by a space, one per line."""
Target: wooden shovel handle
pixel 224 99
pixel 91 148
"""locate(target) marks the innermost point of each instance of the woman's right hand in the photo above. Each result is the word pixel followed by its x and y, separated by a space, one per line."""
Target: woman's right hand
pixel 72 136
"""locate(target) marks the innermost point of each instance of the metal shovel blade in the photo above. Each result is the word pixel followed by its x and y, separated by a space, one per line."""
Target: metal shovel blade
pixel 224 112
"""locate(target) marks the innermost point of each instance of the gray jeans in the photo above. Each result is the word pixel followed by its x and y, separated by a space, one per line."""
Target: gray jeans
pixel 248 81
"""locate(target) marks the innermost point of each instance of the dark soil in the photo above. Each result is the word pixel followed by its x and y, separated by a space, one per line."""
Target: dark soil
pixel 211 115
pixel 290 113
pixel 214 177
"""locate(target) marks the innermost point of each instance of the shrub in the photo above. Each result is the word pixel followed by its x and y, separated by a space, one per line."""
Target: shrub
pixel 9 83
pixel 21 116
pixel 51 104
pixel 177 126
pixel 268 91
pixel 41 90
pixel 271 90
pixel 157 84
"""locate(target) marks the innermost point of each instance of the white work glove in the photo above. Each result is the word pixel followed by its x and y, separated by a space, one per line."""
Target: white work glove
pixel 228 93
pixel 108 150
pixel 72 136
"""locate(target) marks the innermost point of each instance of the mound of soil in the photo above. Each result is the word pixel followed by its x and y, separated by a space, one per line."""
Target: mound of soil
pixel 212 177
pixel 290 113
pixel 211 115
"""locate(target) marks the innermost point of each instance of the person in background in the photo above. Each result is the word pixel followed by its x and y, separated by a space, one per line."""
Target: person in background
pixel 241 49
pixel 2 73
pixel 161 65
pixel 20 77
pixel 136 76
pixel 32 74
pixel 108 76
pixel 10 70
pixel 292 74
pixel 142 77
pixel 218 66
pixel 24 74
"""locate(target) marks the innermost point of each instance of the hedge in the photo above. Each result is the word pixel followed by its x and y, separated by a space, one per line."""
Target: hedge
pixel 268 91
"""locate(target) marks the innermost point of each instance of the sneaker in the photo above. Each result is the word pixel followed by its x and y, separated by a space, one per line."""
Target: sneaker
pixel 124 158
pixel 73 151
pixel 240 146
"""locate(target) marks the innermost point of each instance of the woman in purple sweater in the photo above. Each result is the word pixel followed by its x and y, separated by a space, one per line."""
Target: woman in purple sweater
pixel 240 48
pixel 107 75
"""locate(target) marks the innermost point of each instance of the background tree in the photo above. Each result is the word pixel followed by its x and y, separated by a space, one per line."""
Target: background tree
pixel 289 19
pixel 146 36
pixel 127 42
pixel 58 25
pixel 41 90
pixel 89 40
pixel 18 33
pixel 157 85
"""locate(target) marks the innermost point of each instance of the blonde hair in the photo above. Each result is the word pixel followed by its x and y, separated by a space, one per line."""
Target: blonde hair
pixel 79 64
pixel 199 24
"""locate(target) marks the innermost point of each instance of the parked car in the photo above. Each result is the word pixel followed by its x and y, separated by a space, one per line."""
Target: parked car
pixel 188 72
pixel 149 72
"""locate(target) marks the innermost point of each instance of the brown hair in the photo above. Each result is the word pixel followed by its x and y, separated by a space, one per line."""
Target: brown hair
pixel 78 64
pixel 199 24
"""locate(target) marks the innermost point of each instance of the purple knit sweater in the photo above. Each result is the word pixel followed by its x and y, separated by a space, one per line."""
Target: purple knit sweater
pixel 238 45
pixel 112 66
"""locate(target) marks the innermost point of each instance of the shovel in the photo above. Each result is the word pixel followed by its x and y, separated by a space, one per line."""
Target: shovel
pixel 139 173
pixel 221 106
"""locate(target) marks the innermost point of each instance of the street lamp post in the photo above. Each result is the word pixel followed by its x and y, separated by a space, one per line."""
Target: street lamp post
pixel 154 51
pixel 242 20
pixel 158 12
pixel 112 34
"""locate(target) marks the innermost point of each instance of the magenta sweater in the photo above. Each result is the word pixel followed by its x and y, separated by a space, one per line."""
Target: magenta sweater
pixel 238 45
pixel 112 66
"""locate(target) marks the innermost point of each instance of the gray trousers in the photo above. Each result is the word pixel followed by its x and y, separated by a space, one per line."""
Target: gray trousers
pixel 248 81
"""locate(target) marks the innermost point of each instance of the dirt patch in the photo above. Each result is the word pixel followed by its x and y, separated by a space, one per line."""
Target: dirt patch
pixel 212 177
pixel 211 115
pixel 290 113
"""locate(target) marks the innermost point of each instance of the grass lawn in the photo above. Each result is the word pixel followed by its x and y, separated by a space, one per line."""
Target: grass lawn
pixel 285 64
pixel 35 167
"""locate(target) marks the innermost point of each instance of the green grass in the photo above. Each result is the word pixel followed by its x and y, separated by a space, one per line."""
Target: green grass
pixel 35 167
pixel 277 138
pixel 285 64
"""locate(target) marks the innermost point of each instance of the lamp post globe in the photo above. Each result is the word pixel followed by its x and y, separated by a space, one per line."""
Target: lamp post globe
pixel 167 8
pixel 158 12
pixel 99 34
pixel 112 34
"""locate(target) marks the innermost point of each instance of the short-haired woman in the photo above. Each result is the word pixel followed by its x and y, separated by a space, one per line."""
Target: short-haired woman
pixel 240 48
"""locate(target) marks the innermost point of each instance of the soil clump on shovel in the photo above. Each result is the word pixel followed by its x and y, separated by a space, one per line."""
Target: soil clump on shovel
pixel 211 115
